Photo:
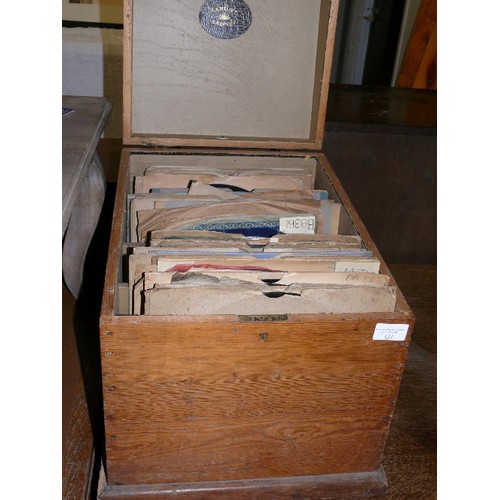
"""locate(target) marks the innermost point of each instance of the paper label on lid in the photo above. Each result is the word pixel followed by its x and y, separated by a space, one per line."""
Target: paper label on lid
pixel 390 331
pixel 225 19
pixel 302 224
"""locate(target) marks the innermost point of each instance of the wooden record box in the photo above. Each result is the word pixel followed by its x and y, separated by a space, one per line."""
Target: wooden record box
pixel 208 393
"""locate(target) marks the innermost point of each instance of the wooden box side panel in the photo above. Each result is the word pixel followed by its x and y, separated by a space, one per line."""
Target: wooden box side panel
pixel 228 401
pixel 114 268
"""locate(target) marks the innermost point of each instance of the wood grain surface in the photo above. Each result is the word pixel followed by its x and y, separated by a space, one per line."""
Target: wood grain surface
pixel 419 66
pixel 223 402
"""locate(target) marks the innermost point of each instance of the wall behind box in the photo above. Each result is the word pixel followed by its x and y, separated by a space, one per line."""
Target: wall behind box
pixel 92 61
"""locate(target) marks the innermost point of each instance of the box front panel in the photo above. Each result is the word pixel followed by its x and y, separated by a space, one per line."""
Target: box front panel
pixel 197 402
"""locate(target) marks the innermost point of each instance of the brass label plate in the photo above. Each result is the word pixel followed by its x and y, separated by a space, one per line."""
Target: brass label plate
pixel 263 318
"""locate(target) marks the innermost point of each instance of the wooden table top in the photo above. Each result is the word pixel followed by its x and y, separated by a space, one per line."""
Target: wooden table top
pixel 372 107
pixel 81 131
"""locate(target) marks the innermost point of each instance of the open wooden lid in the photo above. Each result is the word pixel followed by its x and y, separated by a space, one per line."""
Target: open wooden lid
pixel 227 73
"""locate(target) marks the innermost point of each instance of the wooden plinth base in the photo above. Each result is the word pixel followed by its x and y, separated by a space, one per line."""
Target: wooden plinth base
pixel 306 487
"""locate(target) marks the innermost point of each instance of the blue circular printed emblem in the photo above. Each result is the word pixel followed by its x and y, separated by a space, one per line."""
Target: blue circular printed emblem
pixel 225 18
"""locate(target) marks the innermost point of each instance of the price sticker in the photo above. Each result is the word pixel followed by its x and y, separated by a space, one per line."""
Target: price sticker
pixel 389 331
pixel 303 224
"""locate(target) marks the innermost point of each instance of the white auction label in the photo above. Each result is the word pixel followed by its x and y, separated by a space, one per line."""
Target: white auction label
pixel 390 331
pixel 300 224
